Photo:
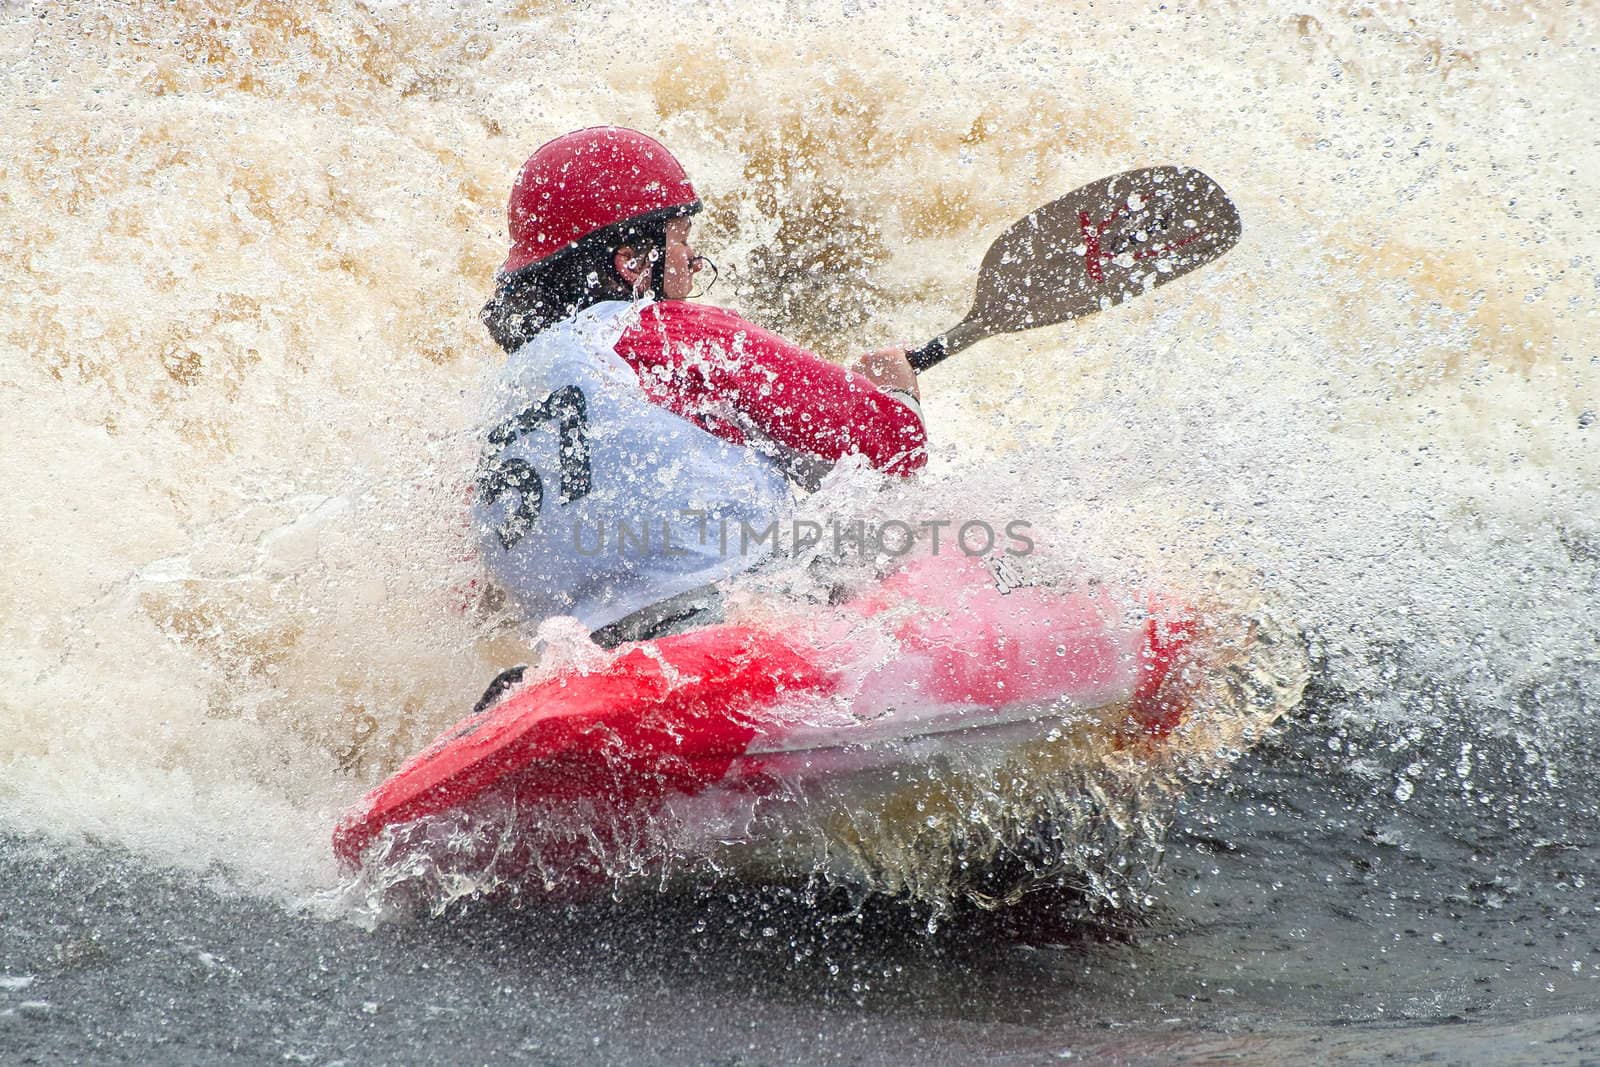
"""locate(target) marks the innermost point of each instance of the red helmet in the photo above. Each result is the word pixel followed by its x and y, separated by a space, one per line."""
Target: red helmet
pixel 586 181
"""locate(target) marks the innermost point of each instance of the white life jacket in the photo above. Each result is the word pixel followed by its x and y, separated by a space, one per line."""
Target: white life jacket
pixel 594 502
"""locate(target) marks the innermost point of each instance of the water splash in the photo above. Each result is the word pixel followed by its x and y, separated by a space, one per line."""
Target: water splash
pixel 241 342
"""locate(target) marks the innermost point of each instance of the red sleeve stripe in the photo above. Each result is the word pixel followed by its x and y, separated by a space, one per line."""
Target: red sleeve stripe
pixel 720 371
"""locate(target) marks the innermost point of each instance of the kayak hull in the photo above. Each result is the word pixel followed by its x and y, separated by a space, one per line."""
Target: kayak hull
pixel 938 707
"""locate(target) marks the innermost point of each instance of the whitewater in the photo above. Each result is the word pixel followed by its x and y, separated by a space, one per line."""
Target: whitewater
pixel 244 248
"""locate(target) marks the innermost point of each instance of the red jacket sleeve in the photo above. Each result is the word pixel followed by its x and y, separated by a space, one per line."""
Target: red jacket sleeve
pixel 723 372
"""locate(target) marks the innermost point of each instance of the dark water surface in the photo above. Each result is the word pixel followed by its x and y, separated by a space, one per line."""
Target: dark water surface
pixel 1305 912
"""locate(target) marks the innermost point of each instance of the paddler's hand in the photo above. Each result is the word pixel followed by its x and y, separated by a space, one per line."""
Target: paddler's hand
pixel 889 369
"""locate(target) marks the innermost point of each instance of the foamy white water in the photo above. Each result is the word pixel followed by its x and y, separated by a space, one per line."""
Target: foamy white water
pixel 240 349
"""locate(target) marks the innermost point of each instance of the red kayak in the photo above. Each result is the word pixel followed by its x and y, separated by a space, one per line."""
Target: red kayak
pixel 936 663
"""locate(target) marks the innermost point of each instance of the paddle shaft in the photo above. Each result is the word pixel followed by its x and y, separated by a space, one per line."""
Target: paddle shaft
pixel 938 350
pixel 929 355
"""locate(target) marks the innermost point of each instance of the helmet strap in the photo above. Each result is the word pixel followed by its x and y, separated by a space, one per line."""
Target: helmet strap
pixel 658 273
pixel 657 261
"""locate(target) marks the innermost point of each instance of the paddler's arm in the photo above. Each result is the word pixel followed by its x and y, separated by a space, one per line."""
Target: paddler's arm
pixel 800 401
pixel 890 370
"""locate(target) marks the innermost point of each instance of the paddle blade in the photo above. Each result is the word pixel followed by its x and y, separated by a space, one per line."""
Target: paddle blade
pixel 1096 247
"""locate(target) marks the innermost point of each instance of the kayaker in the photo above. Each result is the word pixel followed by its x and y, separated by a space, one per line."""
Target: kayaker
pixel 635 435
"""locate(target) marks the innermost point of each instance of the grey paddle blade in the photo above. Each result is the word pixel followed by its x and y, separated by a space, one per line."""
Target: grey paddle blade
pixel 1091 250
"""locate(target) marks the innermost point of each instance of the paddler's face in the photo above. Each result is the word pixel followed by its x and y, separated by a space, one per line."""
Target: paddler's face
pixel 677 280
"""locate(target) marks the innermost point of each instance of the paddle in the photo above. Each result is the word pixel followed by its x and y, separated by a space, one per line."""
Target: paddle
pixel 1091 250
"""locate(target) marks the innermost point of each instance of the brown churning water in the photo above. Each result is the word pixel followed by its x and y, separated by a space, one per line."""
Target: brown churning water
pixel 239 357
